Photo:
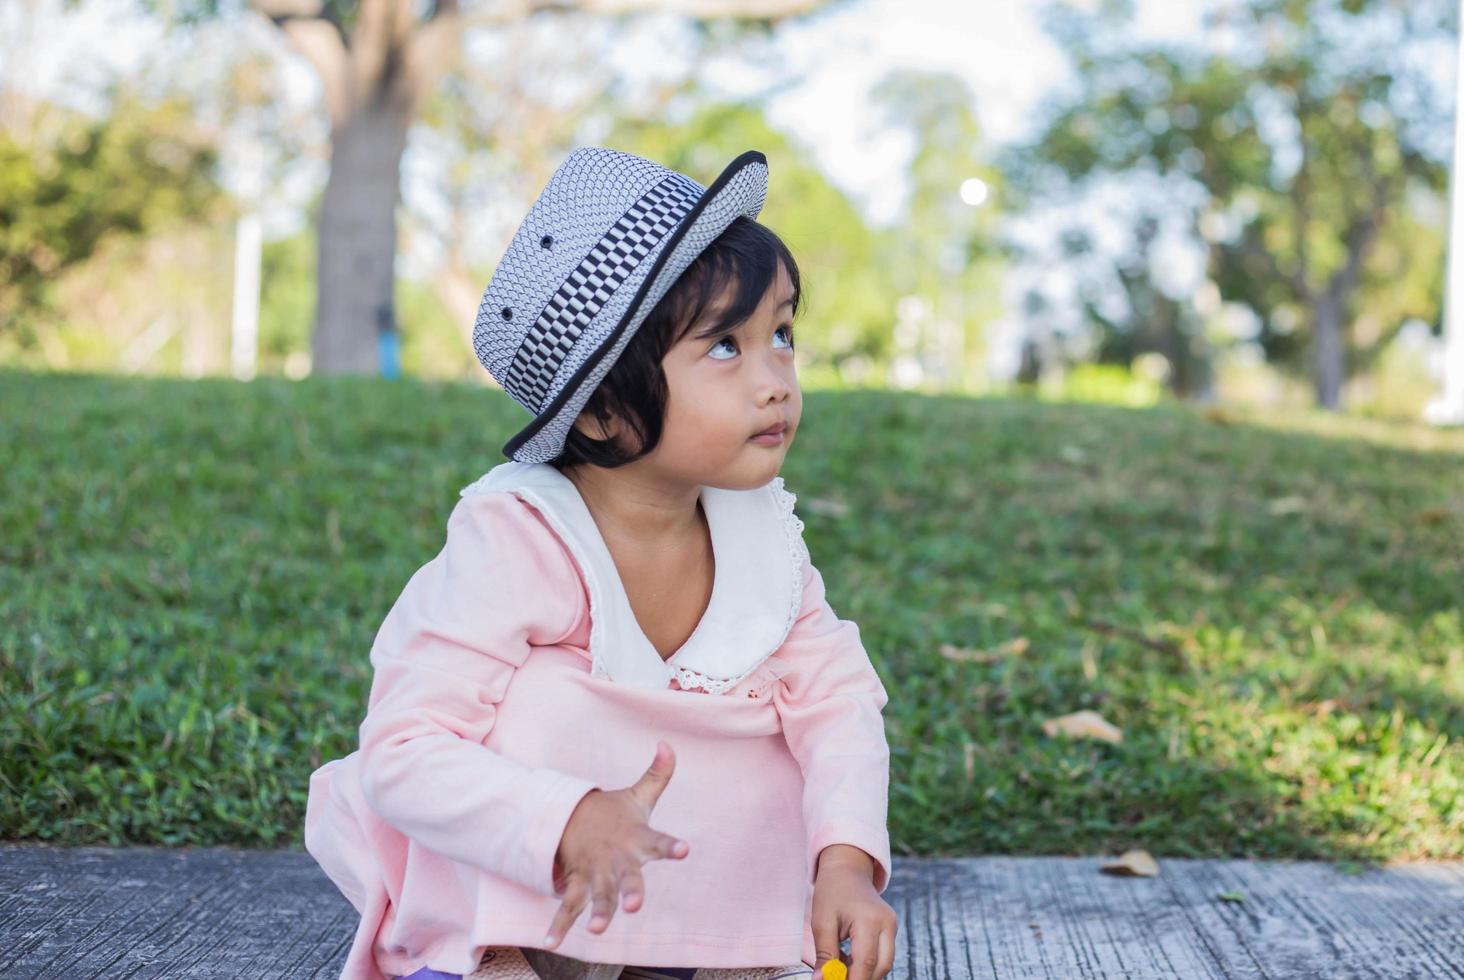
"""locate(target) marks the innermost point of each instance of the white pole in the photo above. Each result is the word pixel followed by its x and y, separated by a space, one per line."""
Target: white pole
pixel 248 250
pixel 1448 407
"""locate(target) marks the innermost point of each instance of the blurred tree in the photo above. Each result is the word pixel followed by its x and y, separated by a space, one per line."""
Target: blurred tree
pixel 847 302
pixel 433 345
pixel 1314 137
pixel 136 171
pixel 492 156
pixel 378 62
pixel 944 246
pixel 1158 322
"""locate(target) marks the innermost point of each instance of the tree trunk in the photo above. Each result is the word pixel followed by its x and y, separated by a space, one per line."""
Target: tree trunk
pixel 1191 376
pixel 375 81
pixel 356 247
pixel 1029 369
pixel 1167 321
pixel 1328 352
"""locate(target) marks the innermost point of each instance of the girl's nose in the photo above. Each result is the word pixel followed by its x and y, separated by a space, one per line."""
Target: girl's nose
pixel 775 392
pixel 777 385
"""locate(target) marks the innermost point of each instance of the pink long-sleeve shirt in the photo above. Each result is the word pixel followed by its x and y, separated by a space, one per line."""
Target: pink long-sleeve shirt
pixel 510 679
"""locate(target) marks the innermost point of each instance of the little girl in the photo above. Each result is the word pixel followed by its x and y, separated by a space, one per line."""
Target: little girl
pixel 619 686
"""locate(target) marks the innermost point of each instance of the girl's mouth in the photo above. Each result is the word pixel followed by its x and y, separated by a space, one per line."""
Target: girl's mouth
pixel 772 437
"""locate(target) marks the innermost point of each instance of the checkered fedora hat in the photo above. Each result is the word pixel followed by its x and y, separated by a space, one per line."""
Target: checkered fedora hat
pixel 599 248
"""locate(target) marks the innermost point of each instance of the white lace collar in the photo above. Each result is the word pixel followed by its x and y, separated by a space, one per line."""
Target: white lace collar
pixel 757 591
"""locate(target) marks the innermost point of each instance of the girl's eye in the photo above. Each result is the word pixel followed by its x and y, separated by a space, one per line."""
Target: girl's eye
pixel 728 340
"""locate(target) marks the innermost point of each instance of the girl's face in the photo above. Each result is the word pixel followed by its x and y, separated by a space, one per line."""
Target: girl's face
pixel 723 392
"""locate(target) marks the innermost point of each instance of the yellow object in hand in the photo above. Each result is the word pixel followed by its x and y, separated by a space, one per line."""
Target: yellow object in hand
pixel 834 970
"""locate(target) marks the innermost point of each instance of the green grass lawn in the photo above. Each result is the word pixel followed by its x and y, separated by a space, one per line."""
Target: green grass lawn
pixel 192 572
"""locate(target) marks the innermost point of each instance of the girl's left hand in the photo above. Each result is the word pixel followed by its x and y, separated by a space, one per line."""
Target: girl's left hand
pixel 846 904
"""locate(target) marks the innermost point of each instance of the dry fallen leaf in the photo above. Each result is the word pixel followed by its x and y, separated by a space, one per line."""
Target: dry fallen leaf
pixel 1073 454
pixel 1011 648
pixel 1082 724
pixel 1322 708
pixel 825 505
pixel 963 655
pixel 1131 864
pixel 1286 505
pixel 1219 416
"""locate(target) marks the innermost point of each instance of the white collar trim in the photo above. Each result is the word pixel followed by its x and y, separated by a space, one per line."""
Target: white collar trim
pixel 757 540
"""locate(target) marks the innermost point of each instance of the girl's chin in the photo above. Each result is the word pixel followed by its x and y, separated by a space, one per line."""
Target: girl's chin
pixel 755 470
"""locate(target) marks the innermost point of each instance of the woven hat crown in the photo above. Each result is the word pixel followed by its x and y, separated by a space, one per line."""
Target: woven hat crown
pixel 605 239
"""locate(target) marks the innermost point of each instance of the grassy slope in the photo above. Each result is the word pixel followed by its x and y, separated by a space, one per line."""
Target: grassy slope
pixel 191 574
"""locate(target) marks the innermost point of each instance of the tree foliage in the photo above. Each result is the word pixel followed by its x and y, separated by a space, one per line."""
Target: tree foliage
pixel 133 172
pixel 944 246
pixel 379 62
pixel 847 295
pixel 1312 128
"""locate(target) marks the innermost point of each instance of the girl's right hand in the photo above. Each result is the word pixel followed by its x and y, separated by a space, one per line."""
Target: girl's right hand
pixel 604 845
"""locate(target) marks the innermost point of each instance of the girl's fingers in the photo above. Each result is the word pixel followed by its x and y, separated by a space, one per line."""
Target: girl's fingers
pixel 623 877
pixel 607 896
pixel 886 952
pixel 575 895
pixel 633 887
pixel 864 958
pixel 825 939
pixel 666 846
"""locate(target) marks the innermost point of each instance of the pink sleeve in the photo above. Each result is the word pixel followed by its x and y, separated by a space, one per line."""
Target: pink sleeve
pixel 830 702
pixel 442 660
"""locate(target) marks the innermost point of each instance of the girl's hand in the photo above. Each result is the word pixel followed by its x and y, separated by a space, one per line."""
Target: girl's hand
pixel 846 904
pixel 605 842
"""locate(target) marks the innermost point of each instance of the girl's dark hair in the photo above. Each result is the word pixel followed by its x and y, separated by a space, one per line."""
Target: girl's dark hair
pixel 742 260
